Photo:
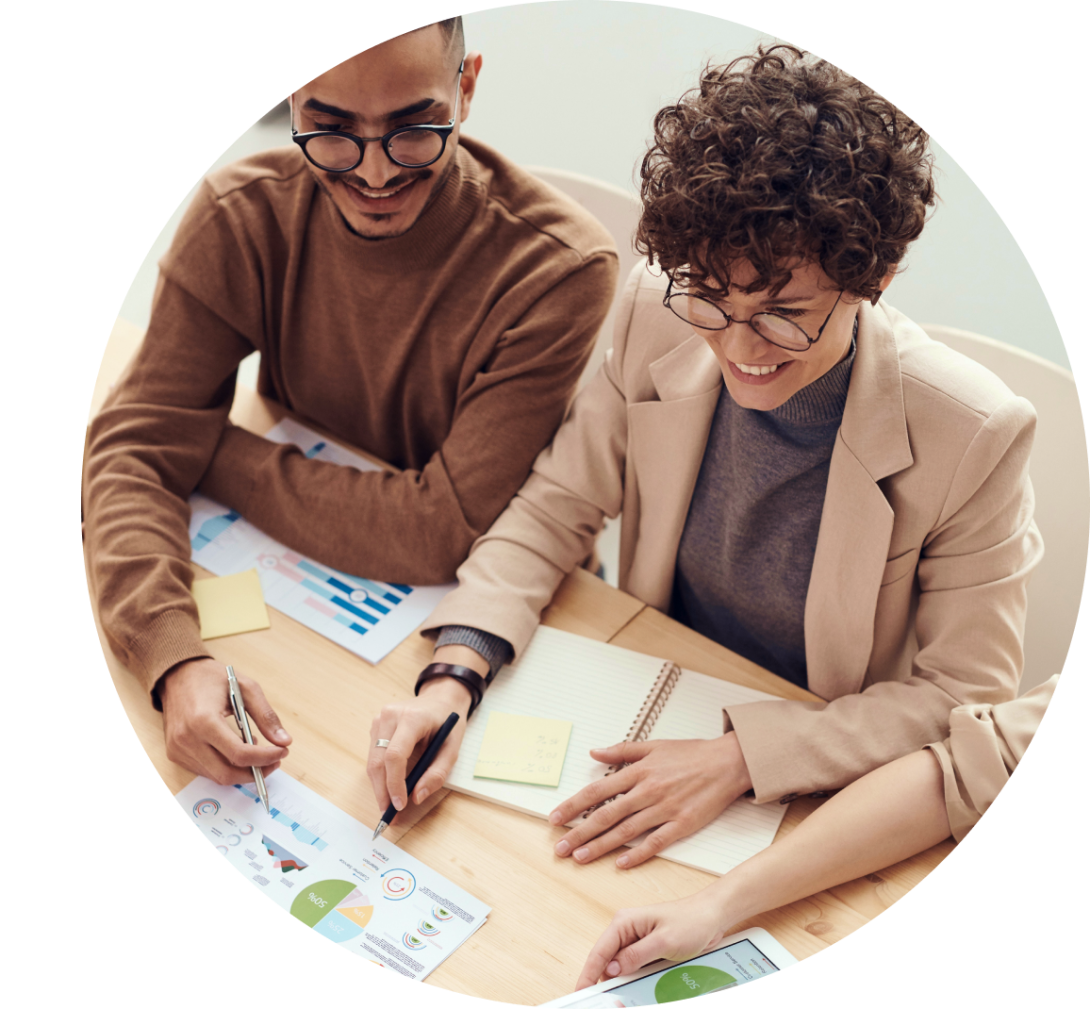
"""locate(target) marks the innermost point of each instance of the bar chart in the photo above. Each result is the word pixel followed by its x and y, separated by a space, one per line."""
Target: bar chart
pixel 366 616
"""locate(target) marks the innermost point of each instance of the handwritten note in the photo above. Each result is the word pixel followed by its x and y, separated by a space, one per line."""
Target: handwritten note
pixel 230 605
pixel 522 748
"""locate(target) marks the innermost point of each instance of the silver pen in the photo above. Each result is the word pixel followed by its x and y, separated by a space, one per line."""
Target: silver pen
pixel 239 708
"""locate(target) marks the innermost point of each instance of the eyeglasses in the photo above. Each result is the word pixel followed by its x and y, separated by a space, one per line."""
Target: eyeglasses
pixel 415 146
pixel 775 329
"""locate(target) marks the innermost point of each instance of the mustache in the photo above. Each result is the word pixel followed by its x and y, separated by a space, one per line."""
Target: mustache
pixel 398 180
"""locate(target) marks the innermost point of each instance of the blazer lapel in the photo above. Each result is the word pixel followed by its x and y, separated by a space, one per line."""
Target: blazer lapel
pixel 856 519
pixel 666 444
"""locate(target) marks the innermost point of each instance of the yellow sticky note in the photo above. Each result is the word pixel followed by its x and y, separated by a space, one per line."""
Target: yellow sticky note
pixel 230 605
pixel 522 748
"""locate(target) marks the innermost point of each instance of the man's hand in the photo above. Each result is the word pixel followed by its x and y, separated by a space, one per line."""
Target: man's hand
pixel 411 725
pixel 201 731
pixel 678 930
pixel 671 788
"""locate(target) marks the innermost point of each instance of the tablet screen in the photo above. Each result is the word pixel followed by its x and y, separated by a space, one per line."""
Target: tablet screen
pixel 722 968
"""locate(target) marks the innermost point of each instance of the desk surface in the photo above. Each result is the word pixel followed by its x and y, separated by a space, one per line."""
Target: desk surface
pixel 327 697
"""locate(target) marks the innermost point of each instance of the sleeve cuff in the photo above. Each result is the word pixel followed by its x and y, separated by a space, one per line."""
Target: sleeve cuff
pixel 172 637
pixel 494 650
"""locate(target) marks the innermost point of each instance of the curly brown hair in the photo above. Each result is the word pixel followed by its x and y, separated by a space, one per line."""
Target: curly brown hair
pixel 777 158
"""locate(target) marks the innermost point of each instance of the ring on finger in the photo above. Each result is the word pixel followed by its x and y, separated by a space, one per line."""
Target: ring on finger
pixel 382 742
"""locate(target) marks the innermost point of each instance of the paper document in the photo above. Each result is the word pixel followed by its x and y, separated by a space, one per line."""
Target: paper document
pixel 523 748
pixel 320 865
pixel 230 605
pixel 369 618
pixel 600 688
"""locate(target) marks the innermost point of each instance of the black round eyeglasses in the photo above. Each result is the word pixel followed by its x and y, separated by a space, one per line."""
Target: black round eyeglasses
pixel 415 146
pixel 776 329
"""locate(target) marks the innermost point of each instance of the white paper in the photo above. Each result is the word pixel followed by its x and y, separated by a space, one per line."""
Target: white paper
pixel 370 618
pixel 368 896
pixel 599 688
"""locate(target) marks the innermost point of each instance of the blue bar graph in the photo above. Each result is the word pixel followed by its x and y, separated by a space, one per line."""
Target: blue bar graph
pixel 211 528
pixel 338 601
pixel 350 624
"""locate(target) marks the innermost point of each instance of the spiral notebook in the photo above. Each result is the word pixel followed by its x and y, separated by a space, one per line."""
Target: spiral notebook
pixel 610 694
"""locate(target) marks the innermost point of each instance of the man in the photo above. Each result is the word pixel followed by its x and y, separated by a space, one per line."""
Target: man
pixel 409 290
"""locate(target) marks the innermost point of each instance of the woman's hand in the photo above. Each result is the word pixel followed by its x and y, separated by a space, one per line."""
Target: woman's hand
pixel 671 788
pixel 413 724
pixel 407 725
pixel 678 930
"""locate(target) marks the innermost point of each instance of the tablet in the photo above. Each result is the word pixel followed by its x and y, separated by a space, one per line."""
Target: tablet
pixel 744 956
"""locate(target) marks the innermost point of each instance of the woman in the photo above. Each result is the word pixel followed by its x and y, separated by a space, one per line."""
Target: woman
pixel 885 816
pixel 801 473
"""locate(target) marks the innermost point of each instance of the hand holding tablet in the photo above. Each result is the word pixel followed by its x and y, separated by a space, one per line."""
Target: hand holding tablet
pixel 744 956
pixel 674 930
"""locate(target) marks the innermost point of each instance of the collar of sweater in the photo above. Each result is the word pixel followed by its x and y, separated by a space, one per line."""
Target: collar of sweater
pixel 822 401
pixel 437 230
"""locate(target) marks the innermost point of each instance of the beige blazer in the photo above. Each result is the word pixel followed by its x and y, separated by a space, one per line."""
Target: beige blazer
pixel 985 745
pixel 917 595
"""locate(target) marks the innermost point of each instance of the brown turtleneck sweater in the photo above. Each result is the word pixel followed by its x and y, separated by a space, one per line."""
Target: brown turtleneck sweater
pixel 450 351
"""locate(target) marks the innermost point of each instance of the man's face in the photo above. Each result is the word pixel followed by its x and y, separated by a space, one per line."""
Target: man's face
pixel 411 79
pixel 806 300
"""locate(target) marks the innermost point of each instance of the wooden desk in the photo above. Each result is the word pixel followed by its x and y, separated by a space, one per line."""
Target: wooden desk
pixel 327 697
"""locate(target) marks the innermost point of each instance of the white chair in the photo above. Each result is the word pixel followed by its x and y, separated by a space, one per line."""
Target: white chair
pixel 1061 484
pixel 619 211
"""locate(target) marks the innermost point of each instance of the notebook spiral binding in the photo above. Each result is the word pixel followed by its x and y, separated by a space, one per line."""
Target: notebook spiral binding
pixel 646 717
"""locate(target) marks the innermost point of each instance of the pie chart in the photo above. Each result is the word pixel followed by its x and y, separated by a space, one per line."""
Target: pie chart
pixel 334 908
pixel 689 981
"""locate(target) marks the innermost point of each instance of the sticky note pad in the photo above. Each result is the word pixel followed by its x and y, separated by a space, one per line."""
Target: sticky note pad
pixel 230 605
pixel 523 748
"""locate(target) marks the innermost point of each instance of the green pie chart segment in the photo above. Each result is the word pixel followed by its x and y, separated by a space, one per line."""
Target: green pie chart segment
pixel 316 901
pixel 690 981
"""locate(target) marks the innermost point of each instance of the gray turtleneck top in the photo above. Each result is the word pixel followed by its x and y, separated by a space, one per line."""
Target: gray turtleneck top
pixel 743 565
pixel 744 560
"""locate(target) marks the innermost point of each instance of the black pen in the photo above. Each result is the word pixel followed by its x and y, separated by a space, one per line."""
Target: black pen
pixel 417 772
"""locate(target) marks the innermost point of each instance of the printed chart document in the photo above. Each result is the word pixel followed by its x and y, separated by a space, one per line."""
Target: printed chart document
pixel 610 694
pixel 321 866
pixel 368 618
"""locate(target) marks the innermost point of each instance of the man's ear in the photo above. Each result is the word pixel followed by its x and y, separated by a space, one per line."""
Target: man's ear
pixel 469 81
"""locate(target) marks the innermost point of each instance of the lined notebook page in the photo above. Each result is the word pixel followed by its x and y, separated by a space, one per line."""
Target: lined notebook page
pixel 595 686
pixel 600 688
pixel 695 711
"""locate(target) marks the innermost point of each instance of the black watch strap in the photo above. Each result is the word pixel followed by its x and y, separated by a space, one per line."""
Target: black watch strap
pixel 472 680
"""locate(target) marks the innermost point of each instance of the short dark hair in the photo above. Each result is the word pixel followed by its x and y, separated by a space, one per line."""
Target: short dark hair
pixel 779 158
pixel 451 30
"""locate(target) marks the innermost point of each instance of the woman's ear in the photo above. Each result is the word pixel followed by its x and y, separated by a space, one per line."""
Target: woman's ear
pixel 884 283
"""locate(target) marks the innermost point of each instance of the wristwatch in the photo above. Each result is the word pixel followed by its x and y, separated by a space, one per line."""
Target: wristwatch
pixel 471 679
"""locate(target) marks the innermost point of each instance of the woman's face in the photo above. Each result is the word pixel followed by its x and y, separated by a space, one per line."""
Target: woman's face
pixel 761 376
